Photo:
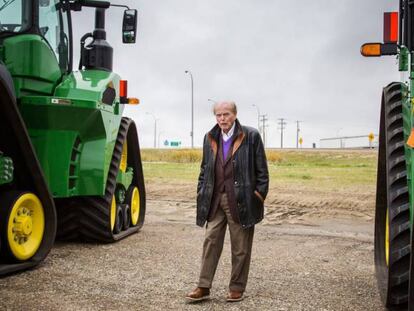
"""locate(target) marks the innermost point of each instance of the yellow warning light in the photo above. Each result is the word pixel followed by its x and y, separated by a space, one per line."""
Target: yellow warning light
pixel 133 101
pixel 371 49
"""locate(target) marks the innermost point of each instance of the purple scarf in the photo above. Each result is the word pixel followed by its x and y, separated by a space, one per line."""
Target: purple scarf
pixel 226 147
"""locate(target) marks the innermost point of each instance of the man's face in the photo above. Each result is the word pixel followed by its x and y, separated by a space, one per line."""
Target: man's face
pixel 225 116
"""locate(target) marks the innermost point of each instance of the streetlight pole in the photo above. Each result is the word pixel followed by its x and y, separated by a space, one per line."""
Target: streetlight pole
pixel 155 129
pixel 258 117
pixel 192 108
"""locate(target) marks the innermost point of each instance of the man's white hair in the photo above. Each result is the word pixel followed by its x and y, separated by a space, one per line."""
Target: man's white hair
pixel 230 103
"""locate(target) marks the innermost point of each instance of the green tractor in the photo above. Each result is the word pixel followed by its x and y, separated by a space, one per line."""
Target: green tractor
pixel 70 164
pixel 395 187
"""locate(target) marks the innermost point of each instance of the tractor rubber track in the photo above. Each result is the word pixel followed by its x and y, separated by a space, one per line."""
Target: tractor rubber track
pixel 392 195
pixel 28 176
pixel 88 218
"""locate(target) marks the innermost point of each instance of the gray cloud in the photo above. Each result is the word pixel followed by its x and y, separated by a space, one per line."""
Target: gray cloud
pixel 294 59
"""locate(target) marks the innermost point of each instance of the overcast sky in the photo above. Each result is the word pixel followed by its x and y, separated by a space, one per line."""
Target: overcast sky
pixel 297 60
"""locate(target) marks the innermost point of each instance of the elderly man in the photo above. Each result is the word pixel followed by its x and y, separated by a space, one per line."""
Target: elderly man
pixel 232 186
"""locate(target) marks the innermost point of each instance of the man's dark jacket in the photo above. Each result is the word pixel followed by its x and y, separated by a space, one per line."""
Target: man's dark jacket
pixel 251 177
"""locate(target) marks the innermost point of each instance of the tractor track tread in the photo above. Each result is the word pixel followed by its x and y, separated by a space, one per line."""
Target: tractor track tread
pixel 398 167
pixel 396 160
pixel 399 300
pixel 394 94
pixel 396 183
pixel 394 114
pixel 399 229
pixel 399 210
pixel 400 279
pixel 395 180
pixel 93 212
pixel 394 128
pixel 91 231
pixel 399 254
pixel 98 204
pixel 68 222
pixel 400 217
pixel 394 104
pixel 396 147
pixel 399 192
pixel 392 195
pixel 397 135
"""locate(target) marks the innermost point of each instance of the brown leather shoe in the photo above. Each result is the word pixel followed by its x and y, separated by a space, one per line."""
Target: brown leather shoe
pixel 199 294
pixel 234 296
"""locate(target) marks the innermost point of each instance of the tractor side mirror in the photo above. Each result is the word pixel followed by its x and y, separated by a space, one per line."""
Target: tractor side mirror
pixel 129 26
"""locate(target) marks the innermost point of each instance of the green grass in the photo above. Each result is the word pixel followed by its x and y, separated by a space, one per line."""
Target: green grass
pixel 171 171
pixel 328 170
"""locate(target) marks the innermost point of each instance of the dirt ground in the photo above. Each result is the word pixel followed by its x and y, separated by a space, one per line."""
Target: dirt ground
pixel 312 253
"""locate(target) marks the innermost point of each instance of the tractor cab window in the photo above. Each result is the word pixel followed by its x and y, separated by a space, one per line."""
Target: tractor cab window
pixel 53 26
pixel 14 16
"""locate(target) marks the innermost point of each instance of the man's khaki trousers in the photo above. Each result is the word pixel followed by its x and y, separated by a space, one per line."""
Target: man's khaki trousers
pixel 241 248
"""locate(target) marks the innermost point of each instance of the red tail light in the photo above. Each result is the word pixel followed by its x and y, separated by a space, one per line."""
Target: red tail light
pixel 123 88
pixel 390 27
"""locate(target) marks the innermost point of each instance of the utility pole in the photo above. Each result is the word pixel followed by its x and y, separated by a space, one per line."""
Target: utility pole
pixel 282 125
pixel 264 119
pixel 297 133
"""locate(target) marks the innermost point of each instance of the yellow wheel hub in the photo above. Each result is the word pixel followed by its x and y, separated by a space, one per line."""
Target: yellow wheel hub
pixel 26 226
pixel 135 206
pixel 113 212
pixel 23 224
pixel 387 240
pixel 124 157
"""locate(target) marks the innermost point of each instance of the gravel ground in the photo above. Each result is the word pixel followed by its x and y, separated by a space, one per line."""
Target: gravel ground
pixel 326 266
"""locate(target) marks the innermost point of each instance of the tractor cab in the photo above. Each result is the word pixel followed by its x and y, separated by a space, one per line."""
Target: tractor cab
pixel 35 44
pixel 45 18
pixel 36 41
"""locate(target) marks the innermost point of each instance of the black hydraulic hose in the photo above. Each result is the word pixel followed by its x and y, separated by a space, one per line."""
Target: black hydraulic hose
pixel 82 47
